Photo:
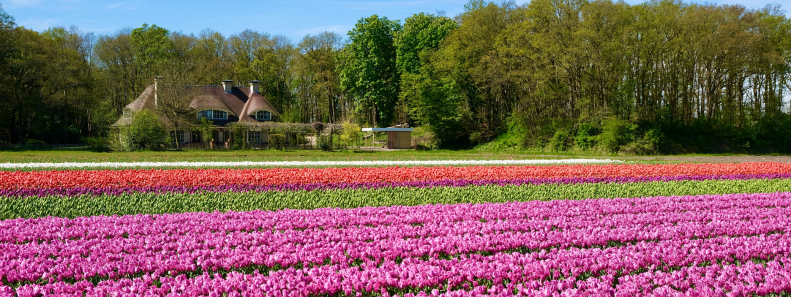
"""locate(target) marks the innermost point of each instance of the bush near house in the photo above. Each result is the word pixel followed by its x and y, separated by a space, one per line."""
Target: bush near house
pixel 278 141
pixel 145 132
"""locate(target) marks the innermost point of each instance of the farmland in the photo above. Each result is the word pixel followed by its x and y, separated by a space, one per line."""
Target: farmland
pixel 503 228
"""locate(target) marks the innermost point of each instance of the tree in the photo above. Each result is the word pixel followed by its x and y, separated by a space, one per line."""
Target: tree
pixel 6 20
pixel 145 132
pixel 437 102
pixel 205 130
pixel 421 36
pixel 173 101
pixel 242 50
pixel 272 64
pixel 319 59
pixel 31 80
pixel 152 47
pixel 350 134
pixel 72 75
pixel 210 54
pixel 118 73
pixel 368 68
pixel 421 33
pixel 6 48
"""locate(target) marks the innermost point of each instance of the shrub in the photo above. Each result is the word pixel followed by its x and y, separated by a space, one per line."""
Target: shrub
pixel 324 142
pixel 558 141
pixel 423 138
pixel 278 140
pixel 238 134
pixel 35 141
pixel 648 144
pixel 350 133
pixel 205 130
pixel 585 138
pixel 616 133
pixel 96 144
pixel 145 132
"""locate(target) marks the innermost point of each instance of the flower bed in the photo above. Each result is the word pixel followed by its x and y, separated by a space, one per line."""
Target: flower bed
pixel 653 246
pixel 693 229
pixel 163 189
pixel 285 176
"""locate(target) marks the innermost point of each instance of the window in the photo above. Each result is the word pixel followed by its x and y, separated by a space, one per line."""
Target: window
pixel 263 115
pixel 127 114
pixel 254 136
pixel 177 136
pixel 213 114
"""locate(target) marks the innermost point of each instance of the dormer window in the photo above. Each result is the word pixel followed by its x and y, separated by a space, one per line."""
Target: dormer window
pixel 127 114
pixel 263 115
pixel 213 114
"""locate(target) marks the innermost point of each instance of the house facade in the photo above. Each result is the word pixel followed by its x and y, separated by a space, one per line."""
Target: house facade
pixel 222 105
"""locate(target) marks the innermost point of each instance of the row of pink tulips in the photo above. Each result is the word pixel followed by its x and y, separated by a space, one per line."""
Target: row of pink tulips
pixel 114 258
pixel 112 247
pixel 541 214
pixel 533 274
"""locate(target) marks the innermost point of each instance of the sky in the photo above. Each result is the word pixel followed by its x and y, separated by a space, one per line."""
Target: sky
pixel 293 19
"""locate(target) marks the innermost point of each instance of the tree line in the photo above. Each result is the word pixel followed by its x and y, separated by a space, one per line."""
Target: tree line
pixel 661 76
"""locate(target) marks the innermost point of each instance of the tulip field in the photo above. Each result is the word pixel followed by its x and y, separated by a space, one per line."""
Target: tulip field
pixel 594 228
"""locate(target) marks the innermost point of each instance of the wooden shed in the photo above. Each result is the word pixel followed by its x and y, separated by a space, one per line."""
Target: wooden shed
pixel 397 138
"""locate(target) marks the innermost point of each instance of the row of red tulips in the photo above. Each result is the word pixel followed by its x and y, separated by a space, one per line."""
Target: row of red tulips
pixel 275 176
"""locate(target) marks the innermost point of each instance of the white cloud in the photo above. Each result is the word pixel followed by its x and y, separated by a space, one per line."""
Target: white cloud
pixel 25 2
pixel 123 5
pixel 340 29
pixel 38 24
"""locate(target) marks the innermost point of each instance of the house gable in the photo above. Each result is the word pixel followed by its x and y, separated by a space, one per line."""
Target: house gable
pixel 255 103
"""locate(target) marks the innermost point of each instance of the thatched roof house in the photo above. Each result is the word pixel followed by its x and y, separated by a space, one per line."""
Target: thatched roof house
pixel 223 105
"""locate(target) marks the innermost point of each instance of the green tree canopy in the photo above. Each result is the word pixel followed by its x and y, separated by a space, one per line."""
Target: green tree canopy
pixel 152 46
pixel 5 18
pixel 422 32
pixel 368 71
pixel 431 95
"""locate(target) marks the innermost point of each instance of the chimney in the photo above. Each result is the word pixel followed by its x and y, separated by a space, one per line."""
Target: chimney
pixel 156 89
pixel 227 85
pixel 255 86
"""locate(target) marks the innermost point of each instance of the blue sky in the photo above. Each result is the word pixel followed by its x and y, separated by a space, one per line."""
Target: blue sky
pixel 293 19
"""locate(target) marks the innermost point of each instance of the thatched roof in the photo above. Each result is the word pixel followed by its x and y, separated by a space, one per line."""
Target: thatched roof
pixel 144 101
pixel 239 102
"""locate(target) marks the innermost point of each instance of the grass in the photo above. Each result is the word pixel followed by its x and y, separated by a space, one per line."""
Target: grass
pixel 57 156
